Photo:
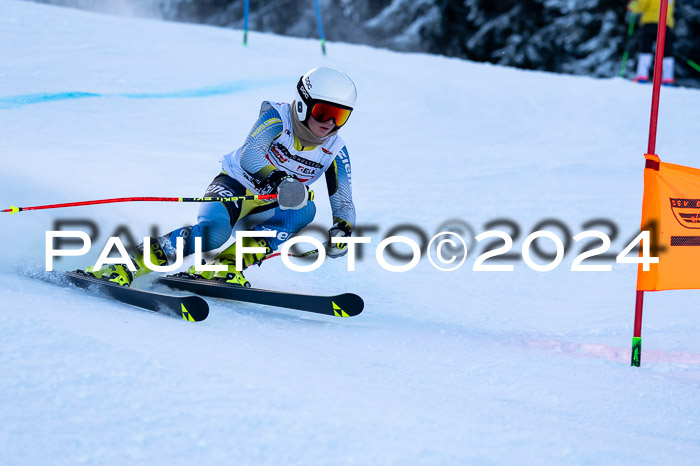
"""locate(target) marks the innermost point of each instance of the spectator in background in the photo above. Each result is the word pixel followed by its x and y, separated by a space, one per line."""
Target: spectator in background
pixel 649 11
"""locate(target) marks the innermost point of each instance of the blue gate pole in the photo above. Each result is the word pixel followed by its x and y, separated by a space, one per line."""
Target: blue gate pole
pixel 320 27
pixel 245 22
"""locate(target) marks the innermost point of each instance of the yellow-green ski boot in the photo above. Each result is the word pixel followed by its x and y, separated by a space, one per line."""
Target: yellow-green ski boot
pixel 121 275
pixel 116 273
pixel 227 257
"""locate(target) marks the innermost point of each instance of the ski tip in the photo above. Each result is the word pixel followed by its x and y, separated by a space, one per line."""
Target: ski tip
pixel 186 314
pixel 347 305
pixel 194 309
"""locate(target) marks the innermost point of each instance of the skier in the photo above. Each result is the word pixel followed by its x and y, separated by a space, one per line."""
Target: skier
pixel 288 148
pixel 649 10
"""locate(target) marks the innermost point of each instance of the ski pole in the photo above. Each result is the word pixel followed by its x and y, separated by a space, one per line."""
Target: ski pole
pixel 313 252
pixel 690 62
pixel 263 197
pixel 626 54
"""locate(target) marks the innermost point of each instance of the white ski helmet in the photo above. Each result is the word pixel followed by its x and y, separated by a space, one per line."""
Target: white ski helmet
pixel 325 85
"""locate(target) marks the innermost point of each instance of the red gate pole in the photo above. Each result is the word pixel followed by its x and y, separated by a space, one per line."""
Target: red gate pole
pixel 651 149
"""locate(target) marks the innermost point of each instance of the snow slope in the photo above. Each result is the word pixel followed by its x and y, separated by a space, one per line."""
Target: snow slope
pixel 441 368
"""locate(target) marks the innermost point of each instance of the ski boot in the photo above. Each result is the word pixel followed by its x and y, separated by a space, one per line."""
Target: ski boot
pixel 120 273
pixel 667 74
pixel 643 64
pixel 227 257
pixel 116 273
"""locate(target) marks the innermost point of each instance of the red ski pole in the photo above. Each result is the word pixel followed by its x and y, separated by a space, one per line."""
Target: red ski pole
pixel 313 252
pixel 13 210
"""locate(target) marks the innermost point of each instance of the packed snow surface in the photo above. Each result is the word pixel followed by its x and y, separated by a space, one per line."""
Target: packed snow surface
pixel 441 368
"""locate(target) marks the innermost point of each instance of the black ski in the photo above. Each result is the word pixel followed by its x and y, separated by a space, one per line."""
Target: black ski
pixel 342 305
pixel 191 308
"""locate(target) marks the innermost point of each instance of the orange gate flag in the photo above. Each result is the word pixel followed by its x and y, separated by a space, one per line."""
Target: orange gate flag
pixel 671 211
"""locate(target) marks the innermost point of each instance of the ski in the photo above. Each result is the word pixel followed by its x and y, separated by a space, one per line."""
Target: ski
pixel 190 308
pixel 342 305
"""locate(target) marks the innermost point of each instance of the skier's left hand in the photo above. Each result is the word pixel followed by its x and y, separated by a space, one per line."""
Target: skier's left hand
pixel 340 229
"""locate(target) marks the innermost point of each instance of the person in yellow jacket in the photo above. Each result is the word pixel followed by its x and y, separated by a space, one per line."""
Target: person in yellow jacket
pixel 649 11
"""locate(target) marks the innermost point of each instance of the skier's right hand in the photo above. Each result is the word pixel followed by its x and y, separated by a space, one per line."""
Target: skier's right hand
pixel 341 229
pixel 292 194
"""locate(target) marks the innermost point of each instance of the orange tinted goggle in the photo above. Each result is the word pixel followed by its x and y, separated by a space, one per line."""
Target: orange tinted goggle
pixel 323 112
